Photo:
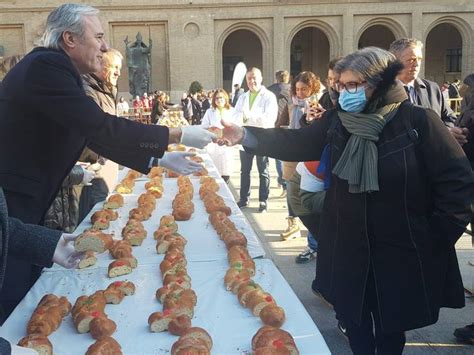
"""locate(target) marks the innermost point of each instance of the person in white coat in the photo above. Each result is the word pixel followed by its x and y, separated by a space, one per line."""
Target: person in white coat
pixel 258 108
pixel 220 110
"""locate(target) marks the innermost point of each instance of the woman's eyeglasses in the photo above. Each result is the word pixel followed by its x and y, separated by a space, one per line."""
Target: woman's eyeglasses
pixel 351 87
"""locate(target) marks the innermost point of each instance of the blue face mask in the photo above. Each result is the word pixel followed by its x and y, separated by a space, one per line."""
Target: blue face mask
pixel 353 102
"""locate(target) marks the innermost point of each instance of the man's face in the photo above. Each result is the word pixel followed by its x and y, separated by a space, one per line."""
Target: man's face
pixel 331 80
pixel 112 70
pixel 411 58
pixel 87 52
pixel 254 80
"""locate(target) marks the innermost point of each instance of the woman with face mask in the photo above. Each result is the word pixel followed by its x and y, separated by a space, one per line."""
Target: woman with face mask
pixel 398 199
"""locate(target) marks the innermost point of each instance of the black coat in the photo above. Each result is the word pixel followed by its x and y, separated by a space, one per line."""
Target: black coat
pixel 205 105
pixel 282 93
pixel 46 120
pixel 466 119
pixel 325 101
pixel 404 233
pixel 197 111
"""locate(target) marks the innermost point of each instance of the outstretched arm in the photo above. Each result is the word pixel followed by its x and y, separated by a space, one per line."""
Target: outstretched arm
pixel 286 144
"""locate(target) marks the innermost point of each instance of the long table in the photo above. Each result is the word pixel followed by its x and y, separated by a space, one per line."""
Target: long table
pixel 218 311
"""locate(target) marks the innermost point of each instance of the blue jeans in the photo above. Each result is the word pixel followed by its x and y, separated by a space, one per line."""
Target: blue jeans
pixel 246 161
pixel 279 170
pixel 311 222
pixel 312 243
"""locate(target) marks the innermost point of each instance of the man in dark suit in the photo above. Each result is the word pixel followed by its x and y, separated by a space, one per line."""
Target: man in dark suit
pixel 423 92
pixel 46 120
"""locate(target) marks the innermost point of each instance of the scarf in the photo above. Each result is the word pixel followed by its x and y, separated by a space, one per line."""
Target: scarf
pixel 297 112
pixel 358 162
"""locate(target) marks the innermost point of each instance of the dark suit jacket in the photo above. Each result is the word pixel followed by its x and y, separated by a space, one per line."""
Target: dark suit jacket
pixel 429 96
pixel 46 120
pixel 282 93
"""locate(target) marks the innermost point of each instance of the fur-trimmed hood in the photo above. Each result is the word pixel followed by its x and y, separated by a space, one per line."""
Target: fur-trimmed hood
pixel 389 90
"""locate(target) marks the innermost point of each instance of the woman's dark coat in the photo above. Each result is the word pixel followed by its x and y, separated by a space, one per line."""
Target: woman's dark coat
pixel 404 233
pixel 64 211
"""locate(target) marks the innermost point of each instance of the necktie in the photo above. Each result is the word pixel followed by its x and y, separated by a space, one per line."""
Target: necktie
pixel 409 90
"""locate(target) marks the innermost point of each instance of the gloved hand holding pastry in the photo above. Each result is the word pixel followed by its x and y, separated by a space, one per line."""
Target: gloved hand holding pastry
pixel 65 254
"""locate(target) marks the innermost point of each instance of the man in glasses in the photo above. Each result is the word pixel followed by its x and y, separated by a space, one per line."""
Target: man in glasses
pixel 423 92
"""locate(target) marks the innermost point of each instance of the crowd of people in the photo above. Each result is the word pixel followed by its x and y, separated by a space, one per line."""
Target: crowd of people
pixel 374 163
pixel 46 121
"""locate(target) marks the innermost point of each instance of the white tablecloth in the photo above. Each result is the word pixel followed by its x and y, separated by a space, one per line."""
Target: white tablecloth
pixel 203 242
pixel 218 311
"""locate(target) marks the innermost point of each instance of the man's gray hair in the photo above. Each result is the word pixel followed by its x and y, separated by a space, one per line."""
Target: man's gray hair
pixel 399 45
pixel 369 63
pixel 67 17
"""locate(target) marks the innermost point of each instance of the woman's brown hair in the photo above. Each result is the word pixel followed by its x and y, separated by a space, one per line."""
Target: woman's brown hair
pixel 308 78
pixel 226 96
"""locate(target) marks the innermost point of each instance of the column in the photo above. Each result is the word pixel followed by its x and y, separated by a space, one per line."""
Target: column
pixel 417 32
pixel 348 45
pixel 281 57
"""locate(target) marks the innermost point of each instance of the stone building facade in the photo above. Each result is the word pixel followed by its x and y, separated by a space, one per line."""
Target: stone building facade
pixel 204 39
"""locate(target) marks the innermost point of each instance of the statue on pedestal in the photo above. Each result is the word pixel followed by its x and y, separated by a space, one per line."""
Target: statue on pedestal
pixel 138 56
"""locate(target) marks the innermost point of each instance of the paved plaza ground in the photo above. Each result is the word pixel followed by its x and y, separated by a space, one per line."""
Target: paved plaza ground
pixel 435 339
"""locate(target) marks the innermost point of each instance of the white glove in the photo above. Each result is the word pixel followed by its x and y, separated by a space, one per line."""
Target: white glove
pixel 65 254
pixel 19 350
pixel 196 136
pixel 88 176
pixel 177 162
